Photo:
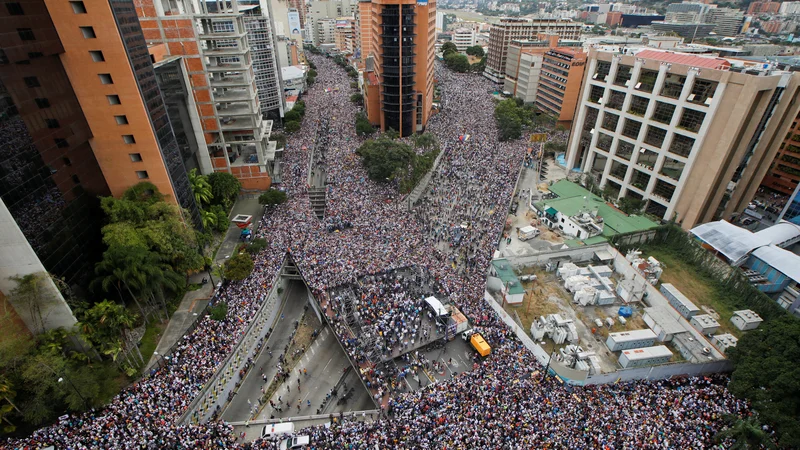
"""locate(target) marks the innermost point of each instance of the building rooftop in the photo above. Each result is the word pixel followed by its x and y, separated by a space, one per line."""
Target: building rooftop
pixel 780 233
pixel 687 60
pixel 665 320
pixel 732 241
pixel 706 320
pixel 748 316
pixel 782 260
pixel 507 276
pixel 571 200
pixel 647 352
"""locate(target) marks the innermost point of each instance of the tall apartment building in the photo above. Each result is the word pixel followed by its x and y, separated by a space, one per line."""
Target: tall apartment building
pixel 784 172
pixel 399 47
pixel 689 136
pixel 81 116
pixel 463 38
pixel 501 35
pixel 344 35
pixel 321 19
pixel 727 21
pixel 220 61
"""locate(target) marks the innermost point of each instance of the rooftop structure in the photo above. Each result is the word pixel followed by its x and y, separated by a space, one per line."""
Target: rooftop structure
pixel 746 319
pixel 655 126
pixel 643 357
pixel 512 288
pixel 630 339
pixel 680 302
pixel 664 324
pixel 724 341
pixel 705 324
pixel 574 200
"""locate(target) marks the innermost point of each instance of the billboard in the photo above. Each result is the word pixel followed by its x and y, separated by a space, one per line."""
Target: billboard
pixel 539 137
pixel 294 22
pixel 422 2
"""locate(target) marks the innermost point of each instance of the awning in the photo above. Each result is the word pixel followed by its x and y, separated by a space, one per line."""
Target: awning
pixel 551 211
pixel 436 306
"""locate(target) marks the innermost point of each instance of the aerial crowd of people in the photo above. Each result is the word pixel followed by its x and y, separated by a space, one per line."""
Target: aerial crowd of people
pixel 506 401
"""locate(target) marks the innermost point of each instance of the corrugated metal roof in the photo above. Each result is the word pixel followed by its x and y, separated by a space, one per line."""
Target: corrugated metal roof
pixel 685 59
pixel 732 241
pixel 782 260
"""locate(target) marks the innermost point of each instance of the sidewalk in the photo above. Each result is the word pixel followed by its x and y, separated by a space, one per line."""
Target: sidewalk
pixel 195 301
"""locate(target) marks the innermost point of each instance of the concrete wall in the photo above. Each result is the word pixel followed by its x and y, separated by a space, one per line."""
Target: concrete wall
pixel 18 259
pixel 216 389
pixel 575 255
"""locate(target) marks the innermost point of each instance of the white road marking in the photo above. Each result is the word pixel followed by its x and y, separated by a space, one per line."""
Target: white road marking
pixel 326 365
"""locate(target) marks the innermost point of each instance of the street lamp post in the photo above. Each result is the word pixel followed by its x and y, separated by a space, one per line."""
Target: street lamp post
pixel 60 379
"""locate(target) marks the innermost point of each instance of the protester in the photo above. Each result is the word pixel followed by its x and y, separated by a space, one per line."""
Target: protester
pixel 370 262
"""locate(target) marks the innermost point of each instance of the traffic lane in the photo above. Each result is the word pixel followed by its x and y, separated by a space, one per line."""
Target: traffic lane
pixel 249 392
pixel 358 400
pixel 324 362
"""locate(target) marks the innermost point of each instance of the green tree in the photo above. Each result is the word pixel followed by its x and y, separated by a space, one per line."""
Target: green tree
pixel 221 222
pixel 357 98
pixel 292 126
pixel 238 267
pixel 630 205
pixel 272 197
pixel 225 188
pixel 279 138
pixel 427 141
pixel 745 433
pixel 310 81
pixel 479 66
pixel 113 272
pixel 312 73
pixel 256 246
pixel 767 374
pixel 475 50
pixel 457 62
pixel 363 127
pixel 30 294
pixel 219 311
pixel 209 219
pixel 449 47
pixel 200 188
pixel 292 116
pixel 106 326
pixel 384 158
pixel 510 119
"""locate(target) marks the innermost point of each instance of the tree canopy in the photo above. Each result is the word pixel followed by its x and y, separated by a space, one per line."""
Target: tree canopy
pixel 272 197
pixel 475 50
pixel 224 187
pixel 449 47
pixel 510 119
pixel 457 62
pixel 768 375
pixel 238 267
pixel 388 160
pixel 363 127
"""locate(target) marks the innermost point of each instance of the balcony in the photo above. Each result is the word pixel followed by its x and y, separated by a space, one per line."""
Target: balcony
pixel 234 109
pixel 229 81
pixel 663 191
pixel 604 142
pixel 240 66
pixel 691 120
pixel 233 95
pixel 655 136
pixel 640 180
pixel 638 106
pixel 673 86
pixel 647 159
pixel 596 93
pixel 672 168
pixel 610 121
pixel 631 129
pixel 237 123
pixel 618 170
pixel 623 75
pixel 615 100
pixel 663 112
pixel 702 92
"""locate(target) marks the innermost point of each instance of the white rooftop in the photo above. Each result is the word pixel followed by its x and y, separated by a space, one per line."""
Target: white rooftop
pixel 633 335
pixel 732 241
pixel 706 320
pixel 665 320
pixel 647 352
pixel 782 260
pixel 780 233
pixel 291 72
pixel 748 316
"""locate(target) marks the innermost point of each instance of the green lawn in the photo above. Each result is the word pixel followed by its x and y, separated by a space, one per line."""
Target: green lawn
pixel 152 334
pixel 702 291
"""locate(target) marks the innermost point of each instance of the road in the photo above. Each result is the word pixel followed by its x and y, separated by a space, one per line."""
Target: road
pixel 325 363
pixel 250 391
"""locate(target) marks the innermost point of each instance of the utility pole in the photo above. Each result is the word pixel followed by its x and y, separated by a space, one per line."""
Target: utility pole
pixel 60 379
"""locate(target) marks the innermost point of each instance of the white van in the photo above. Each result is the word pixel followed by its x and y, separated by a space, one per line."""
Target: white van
pixel 273 429
pixel 528 232
pixel 295 442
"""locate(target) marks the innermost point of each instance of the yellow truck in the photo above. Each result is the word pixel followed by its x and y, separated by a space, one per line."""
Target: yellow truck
pixel 478 342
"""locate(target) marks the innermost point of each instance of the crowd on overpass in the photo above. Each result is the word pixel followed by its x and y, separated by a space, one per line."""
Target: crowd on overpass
pixel 506 400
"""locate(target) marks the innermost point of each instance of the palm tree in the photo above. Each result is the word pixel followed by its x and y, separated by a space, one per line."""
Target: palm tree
pixel 200 187
pixel 209 218
pixel 114 265
pixel 745 433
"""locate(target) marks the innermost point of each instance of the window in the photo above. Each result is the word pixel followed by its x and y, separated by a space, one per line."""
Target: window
pixel 97 55
pixel 673 85
pixel 610 121
pixel 128 139
pixel 14 9
pixel 604 142
pixel 702 92
pixel 624 150
pixel 623 75
pixel 663 112
pixel 78 7
pixel 34 55
pixel 26 34
pixel 681 145
pixel 61 143
pixel 88 32
pixel 121 120
pixel 135 157
pixel 75 179
pixel 142 174
pixel 691 120
pixel 113 99
pixel 655 136
pixel 596 93
pixel 105 78
pixel 631 128
pixel 52 123
pixel 647 80
pixel 42 103
pixel 616 99
pixel 638 105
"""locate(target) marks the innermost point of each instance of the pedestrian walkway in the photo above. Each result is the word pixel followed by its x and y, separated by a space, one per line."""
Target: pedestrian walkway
pixel 195 302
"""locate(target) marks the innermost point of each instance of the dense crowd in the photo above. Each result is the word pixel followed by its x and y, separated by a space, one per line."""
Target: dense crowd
pixel 506 401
